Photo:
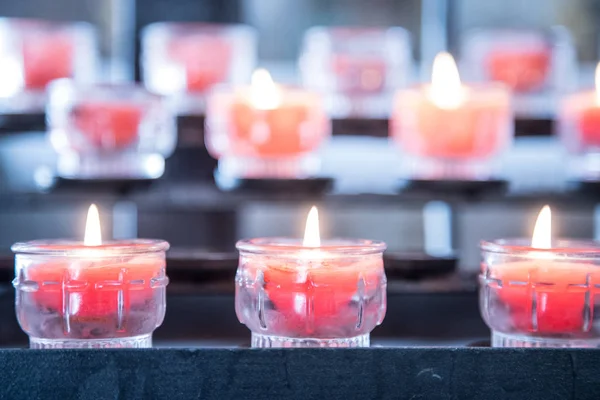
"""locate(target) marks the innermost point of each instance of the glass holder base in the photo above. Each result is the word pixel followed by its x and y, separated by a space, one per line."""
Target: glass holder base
pixel 268 341
pixel 508 340
pixel 135 342
pixel 110 166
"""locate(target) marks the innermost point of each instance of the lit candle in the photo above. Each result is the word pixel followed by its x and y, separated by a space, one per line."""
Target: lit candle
pixel 449 124
pixel 265 130
pixel 90 294
pixel 542 294
pixel 579 128
pixel 310 293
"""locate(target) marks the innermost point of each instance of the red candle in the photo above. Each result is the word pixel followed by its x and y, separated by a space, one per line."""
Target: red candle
pixel 359 73
pixel 47 57
pixel 269 126
pixel 450 121
pixel 313 294
pixel 579 120
pixel 524 70
pixel 205 59
pixel 540 295
pixel 560 290
pixel 108 125
pixel 92 294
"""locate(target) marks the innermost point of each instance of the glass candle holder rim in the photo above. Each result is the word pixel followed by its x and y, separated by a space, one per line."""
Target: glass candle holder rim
pixel 289 246
pixel 565 247
pixel 22 23
pixel 106 87
pixel 72 248
pixel 288 89
pixel 195 27
pixel 478 88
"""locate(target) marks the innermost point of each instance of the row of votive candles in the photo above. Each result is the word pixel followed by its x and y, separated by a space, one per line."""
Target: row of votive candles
pixel 355 68
pixel 297 293
pixel 446 129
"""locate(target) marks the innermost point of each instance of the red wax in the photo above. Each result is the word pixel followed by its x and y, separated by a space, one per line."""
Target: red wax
pixel 360 74
pixel 329 287
pixel 589 125
pixel 94 284
pixel 476 129
pixel 559 307
pixel 108 125
pixel 296 126
pixel 522 70
pixel 206 60
pixel 46 57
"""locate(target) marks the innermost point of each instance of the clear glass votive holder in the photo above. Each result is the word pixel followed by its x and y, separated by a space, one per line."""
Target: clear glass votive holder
pixel 533 297
pixel 186 60
pixel 460 143
pixel 356 68
pixel 109 131
pixel 528 61
pixel 73 296
pixel 35 52
pixel 278 143
pixel 579 130
pixel 294 296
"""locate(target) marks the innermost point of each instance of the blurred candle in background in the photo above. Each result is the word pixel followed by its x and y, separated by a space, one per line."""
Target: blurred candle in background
pixel 109 131
pixel 190 58
pixel 265 130
pixel 449 130
pixel 579 129
pixel 537 65
pixel 357 69
pixel 35 52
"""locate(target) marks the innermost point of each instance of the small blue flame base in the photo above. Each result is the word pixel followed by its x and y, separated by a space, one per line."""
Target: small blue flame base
pixel 267 341
pixel 135 342
pixel 524 340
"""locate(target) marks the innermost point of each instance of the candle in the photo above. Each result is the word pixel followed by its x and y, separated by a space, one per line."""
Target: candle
pixel 109 131
pixel 448 127
pixel 579 129
pixel 193 57
pixel 265 130
pixel 542 294
pixel 528 61
pixel 310 293
pixel 523 70
pixel 90 294
pixel 356 68
pixel 37 52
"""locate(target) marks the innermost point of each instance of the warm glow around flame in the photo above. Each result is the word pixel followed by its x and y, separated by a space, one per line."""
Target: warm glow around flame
pixel 312 237
pixel 265 93
pixel 93 234
pixel 542 233
pixel 598 84
pixel 446 90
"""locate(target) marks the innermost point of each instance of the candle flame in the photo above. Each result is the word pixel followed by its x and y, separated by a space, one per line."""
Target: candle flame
pixel 598 84
pixel 446 91
pixel 312 237
pixel 265 93
pixel 93 233
pixel 542 233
